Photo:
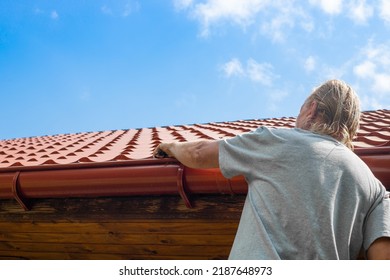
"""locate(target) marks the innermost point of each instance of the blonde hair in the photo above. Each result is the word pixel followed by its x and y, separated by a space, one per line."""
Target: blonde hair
pixel 338 111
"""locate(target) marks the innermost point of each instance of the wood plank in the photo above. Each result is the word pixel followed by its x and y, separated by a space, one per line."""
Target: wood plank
pixel 117 238
pixel 214 207
pixel 193 226
pixel 12 255
pixel 130 251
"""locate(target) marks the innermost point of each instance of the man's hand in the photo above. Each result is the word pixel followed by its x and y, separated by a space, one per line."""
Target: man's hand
pixel 159 152
pixel 198 154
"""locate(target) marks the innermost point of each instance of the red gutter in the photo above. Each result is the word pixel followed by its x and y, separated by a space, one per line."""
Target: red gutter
pixel 378 160
pixel 143 177
pixel 148 177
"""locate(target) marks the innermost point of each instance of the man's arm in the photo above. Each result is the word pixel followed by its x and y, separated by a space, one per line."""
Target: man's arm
pixel 379 249
pixel 198 154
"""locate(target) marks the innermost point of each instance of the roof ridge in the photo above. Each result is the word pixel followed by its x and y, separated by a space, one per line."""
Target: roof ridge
pixel 70 135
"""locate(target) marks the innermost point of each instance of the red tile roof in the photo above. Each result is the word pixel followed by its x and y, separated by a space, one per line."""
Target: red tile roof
pixel 118 163
pixel 136 144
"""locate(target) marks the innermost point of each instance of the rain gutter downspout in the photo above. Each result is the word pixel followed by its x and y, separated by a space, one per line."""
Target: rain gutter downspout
pixel 125 178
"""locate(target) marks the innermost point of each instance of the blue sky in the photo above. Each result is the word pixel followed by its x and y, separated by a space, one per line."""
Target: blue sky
pixel 78 66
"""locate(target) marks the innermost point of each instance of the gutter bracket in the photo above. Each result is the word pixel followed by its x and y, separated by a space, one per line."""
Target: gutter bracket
pixel 15 191
pixel 181 186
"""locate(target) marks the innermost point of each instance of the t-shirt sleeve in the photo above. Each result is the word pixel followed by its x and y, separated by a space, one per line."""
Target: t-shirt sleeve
pixel 378 222
pixel 236 154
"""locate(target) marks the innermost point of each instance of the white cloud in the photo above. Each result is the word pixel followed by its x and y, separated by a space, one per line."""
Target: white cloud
pixel 233 68
pixel 274 18
pixel 38 11
pixel 241 12
pixel 130 7
pixel 121 8
pixel 384 7
pixel 379 53
pixel 307 24
pixel 368 71
pixel 275 27
pixel 106 10
pixel 376 66
pixel 365 69
pixel 51 14
pixel 182 4
pixel 262 73
pixel 54 15
pixel 332 7
pixel 382 83
pixel 330 72
pixel 284 16
pixel 310 64
pixel 360 11
pixel 372 72
pixel 290 22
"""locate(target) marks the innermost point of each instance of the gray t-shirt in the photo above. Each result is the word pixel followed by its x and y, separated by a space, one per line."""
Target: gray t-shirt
pixel 309 197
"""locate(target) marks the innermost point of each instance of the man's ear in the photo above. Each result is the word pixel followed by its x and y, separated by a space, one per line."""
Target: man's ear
pixel 312 110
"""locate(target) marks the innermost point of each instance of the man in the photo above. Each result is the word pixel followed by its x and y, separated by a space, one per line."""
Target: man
pixel 309 196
